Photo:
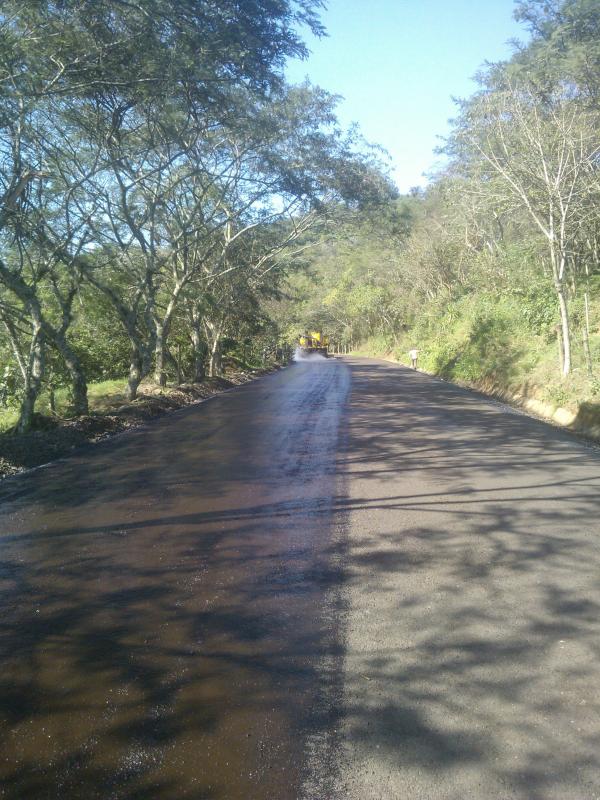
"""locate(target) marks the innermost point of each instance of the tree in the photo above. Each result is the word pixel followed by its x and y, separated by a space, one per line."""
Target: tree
pixel 539 156
pixel 564 50
pixel 72 79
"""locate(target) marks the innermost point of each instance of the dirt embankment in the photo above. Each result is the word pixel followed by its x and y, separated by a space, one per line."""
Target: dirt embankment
pixel 583 418
pixel 54 438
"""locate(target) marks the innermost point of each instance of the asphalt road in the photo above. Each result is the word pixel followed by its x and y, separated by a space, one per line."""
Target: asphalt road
pixel 472 643
pixel 345 580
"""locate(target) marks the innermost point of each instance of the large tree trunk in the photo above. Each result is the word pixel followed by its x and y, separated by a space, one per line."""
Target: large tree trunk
pixel 140 359
pixel 586 333
pixel 213 336
pixel 162 329
pixel 160 356
pixel 136 372
pixel 141 348
pixel 178 365
pixel 33 380
pixel 215 366
pixel 565 329
pixel 78 382
pixel 561 352
pixel 80 405
pixel 199 346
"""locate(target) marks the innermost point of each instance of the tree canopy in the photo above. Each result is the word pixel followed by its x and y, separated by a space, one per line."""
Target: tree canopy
pixel 156 171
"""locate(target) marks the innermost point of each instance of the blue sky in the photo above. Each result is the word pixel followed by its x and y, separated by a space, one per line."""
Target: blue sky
pixel 398 63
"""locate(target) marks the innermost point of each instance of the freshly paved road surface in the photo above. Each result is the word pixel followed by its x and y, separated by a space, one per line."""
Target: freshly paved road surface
pixel 345 580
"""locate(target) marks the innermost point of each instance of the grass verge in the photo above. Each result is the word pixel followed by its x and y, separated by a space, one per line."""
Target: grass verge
pixel 486 342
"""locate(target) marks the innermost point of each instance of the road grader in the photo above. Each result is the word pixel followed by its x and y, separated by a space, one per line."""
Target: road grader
pixel 314 342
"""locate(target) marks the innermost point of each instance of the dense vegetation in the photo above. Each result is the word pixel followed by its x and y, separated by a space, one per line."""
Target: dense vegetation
pixel 493 271
pixel 166 198
pixel 158 179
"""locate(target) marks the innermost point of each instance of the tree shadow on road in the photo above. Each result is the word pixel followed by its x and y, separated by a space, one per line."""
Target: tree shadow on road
pixel 473 569
pixel 141 661
pixel 170 614
pixel 169 618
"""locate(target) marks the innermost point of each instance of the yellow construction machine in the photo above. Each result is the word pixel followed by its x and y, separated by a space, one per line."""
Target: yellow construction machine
pixel 314 342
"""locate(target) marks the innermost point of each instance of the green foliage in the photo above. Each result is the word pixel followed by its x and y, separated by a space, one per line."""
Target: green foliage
pixel 565 46
pixel 102 348
pixel 558 395
pixel 595 387
pixel 538 307
pixel 102 395
pixel 476 338
pixel 9 386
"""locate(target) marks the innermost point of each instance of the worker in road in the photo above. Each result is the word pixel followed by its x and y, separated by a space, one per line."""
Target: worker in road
pixel 414 354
